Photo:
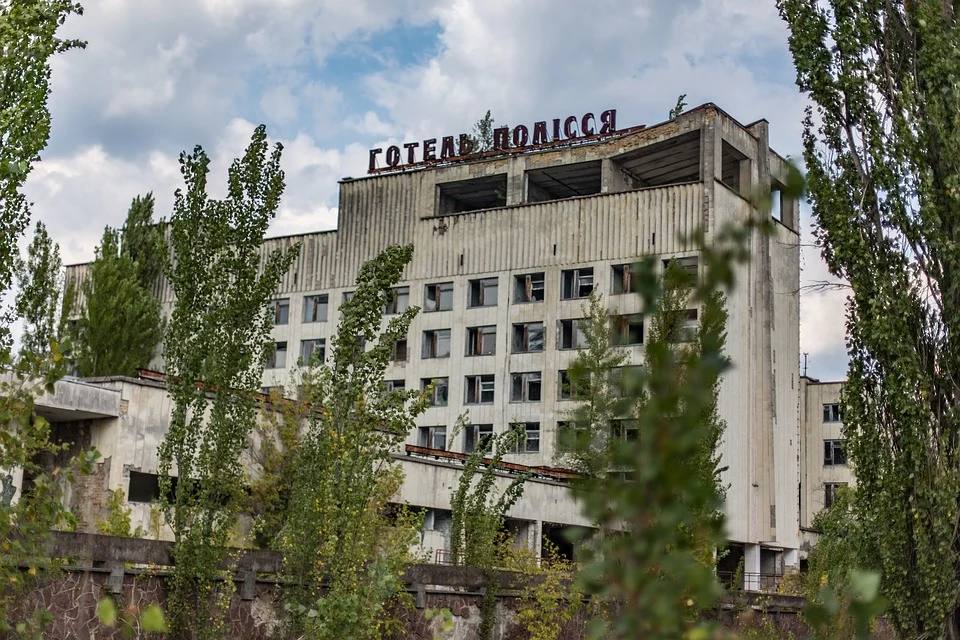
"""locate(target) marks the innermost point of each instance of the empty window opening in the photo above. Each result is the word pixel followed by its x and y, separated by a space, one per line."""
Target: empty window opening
pixel 479 389
pixel 438 296
pixel 399 301
pixel 394 385
pixel 834 453
pixel 145 487
pixel 348 295
pixel 276 356
pixel 625 430
pixel 625 381
pixel 280 309
pixel 688 264
pixel 527 337
pixel 529 437
pixel 673 161
pixel 432 437
pixel 482 341
pixel 576 283
pixel 437 520
pixel 312 351
pixel 476 434
pixel 571 334
pixel 436 344
pixel 471 195
pixel 400 350
pixel 528 287
pixel 564 181
pixel 735 169
pixel 830 491
pixel 440 388
pixel 831 412
pixel 686 327
pixel 626 330
pixel 315 308
pixel 569 389
pixel 624 279
pixel 483 293
pixel 571 437
pixel 525 387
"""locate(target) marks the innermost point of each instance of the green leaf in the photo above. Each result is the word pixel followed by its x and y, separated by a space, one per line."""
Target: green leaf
pixel 864 585
pixel 107 612
pixel 152 619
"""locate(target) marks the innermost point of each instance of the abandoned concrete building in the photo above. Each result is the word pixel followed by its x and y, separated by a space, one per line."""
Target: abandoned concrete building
pixel 508 244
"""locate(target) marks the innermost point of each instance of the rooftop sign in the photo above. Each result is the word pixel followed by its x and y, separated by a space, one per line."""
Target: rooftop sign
pixel 504 138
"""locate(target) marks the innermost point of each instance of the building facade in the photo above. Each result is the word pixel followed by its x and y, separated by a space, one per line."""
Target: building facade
pixel 508 244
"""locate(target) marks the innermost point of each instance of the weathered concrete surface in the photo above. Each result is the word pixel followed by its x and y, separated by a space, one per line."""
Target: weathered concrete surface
pixel 77 400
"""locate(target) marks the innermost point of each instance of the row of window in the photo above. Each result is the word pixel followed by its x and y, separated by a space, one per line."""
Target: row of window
pixel 567 435
pixel 482 292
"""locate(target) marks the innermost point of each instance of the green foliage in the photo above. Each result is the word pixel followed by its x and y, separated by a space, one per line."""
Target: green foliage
pixel 882 149
pixel 132 622
pixel 482 137
pixel 679 107
pixel 478 512
pixel 117 522
pixel 662 485
pixel 121 326
pixel 143 242
pixel 214 350
pixel 38 297
pixel 344 555
pixel 550 597
pixel 27 42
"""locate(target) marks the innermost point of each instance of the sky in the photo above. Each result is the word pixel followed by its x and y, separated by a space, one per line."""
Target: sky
pixel 333 78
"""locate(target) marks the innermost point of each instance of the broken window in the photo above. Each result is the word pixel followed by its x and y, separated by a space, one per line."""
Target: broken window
pixel 834 453
pixel 479 389
pixel 529 441
pixel 483 292
pixel 564 181
pixel 475 434
pixel 440 392
pixel 527 337
pixel 436 344
pixel 624 280
pixel 735 169
pixel 627 430
pixel 571 437
pixel 830 490
pixel 576 283
pixel 315 308
pixel 471 195
pixel 438 296
pixel 394 385
pixel 626 330
pixel 686 327
pixel 528 287
pixel 281 311
pixel 145 487
pixel 482 341
pixel 276 356
pixel 312 351
pixel 525 387
pixel 689 264
pixel 571 334
pixel 433 437
pixel 831 412
pixel 399 301
pixel 568 390
pixel 400 350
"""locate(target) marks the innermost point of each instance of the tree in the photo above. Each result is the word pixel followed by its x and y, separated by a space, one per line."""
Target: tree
pixel 344 555
pixel 882 148
pixel 478 511
pixel 214 348
pixel 143 242
pixel 38 298
pixel 120 325
pixel 27 41
pixel 483 133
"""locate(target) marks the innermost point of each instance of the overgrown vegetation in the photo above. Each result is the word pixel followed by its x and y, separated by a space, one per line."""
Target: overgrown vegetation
pixel 344 548
pixel 882 149
pixel 117 522
pixel 479 508
pixel 214 352
pixel 39 296
pixel 550 598
pixel 28 40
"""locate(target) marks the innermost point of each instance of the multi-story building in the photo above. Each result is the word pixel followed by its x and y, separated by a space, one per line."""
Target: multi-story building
pixel 823 458
pixel 508 244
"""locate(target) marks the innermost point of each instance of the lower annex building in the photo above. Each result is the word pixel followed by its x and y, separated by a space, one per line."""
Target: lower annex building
pixel 508 244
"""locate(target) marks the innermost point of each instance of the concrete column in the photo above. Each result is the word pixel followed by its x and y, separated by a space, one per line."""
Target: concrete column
pixel 751 567
pixel 612 179
pixel 516 182
pixel 536 533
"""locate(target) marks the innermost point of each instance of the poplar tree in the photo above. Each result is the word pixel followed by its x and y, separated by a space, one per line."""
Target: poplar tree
pixel 214 349
pixel 120 327
pixel 143 242
pixel 39 294
pixel 882 149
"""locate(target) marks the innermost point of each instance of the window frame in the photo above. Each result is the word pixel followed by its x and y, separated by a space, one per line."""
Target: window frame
pixel 399 301
pixel 318 342
pixel 832 413
pixel 431 337
pixel 478 291
pixel 573 290
pixel 426 382
pixel 476 383
pixel 474 435
pixel 522 345
pixel 525 282
pixel 576 330
pixel 439 288
pixel 525 379
pixel 271 361
pixel 834 452
pixel 312 301
pixel 281 308
pixel 477 337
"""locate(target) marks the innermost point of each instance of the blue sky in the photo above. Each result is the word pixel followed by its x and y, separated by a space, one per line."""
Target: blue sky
pixel 332 78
